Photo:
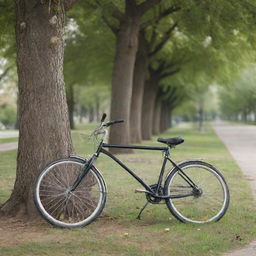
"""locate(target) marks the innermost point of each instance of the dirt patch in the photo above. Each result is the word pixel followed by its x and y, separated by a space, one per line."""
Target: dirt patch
pixel 14 231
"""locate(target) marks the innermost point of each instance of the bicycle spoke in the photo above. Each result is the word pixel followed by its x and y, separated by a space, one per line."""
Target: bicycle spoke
pixel 207 203
pixel 62 207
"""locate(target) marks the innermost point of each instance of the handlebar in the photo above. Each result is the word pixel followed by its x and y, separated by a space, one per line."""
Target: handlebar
pixel 101 130
pixel 110 122
pixel 113 122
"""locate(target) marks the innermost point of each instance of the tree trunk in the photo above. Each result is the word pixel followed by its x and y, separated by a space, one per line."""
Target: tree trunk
pixel 71 104
pixel 201 117
pixel 170 118
pixel 91 114
pixel 97 108
pixel 16 126
pixel 44 124
pixel 157 114
pixel 164 117
pixel 140 69
pixel 149 97
pixel 122 79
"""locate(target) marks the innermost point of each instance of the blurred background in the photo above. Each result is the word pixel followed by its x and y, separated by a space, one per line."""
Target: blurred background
pixel 200 63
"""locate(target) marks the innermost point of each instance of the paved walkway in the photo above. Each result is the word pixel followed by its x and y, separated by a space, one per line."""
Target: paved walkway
pixel 241 143
pixel 9 134
pixel 8 146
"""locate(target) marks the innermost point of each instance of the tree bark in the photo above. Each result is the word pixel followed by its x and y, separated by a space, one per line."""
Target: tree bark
pixel 71 104
pixel 164 117
pixel 97 108
pixel 157 115
pixel 122 79
pixel 44 124
pixel 149 97
pixel 91 114
pixel 170 118
pixel 140 69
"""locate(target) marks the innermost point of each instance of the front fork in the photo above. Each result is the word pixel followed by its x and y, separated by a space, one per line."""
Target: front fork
pixel 84 172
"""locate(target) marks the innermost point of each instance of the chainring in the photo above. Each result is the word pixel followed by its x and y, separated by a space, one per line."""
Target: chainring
pixel 152 199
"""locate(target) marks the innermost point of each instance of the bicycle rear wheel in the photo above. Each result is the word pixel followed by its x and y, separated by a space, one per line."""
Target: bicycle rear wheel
pixel 62 207
pixel 206 204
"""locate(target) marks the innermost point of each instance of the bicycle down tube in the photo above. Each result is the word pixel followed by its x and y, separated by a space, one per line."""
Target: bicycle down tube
pixel 166 150
pixel 147 187
pixel 102 150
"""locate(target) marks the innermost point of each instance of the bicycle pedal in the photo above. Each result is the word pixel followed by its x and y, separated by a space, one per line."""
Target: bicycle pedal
pixel 138 190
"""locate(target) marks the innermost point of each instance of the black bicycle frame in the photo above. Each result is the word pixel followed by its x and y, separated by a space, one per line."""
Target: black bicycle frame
pixel 160 179
pixel 147 187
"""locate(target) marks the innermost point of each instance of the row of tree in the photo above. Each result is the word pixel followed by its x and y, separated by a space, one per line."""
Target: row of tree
pixel 238 103
pixel 165 52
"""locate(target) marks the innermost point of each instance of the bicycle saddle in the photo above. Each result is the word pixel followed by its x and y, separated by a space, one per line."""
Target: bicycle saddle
pixel 171 141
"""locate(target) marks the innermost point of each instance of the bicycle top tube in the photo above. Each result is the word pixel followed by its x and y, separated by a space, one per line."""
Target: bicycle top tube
pixel 105 145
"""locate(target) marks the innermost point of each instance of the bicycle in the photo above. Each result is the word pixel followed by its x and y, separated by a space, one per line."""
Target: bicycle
pixel 71 192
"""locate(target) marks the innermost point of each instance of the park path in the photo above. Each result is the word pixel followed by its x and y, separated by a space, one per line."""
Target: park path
pixel 9 134
pixel 240 140
pixel 8 146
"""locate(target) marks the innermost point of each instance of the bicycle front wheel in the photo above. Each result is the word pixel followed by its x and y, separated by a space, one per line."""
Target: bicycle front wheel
pixel 62 207
pixel 207 203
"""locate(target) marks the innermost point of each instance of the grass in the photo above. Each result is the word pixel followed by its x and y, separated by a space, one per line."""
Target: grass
pixel 6 140
pixel 242 122
pixel 147 236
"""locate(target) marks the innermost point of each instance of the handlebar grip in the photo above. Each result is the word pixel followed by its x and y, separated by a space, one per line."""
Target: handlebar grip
pixel 114 122
pixel 103 117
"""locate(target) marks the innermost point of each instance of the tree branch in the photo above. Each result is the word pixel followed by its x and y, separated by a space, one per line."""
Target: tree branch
pixel 5 72
pixel 146 5
pixel 116 13
pixel 111 26
pixel 168 11
pixel 169 73
pixel 161 44
pixel 149 23
pixel 130 6
pixel 111 8
pixel 162 15
pixel 153 37
pixel 158 69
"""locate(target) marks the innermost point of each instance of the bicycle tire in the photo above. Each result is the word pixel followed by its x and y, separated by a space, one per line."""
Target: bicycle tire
pixel 63 208
pixel 213 201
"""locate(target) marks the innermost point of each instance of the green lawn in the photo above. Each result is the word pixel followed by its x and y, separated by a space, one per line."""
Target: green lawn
pixel 147 236
pixel 6 140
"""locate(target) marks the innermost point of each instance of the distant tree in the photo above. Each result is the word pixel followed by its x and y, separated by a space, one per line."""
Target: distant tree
pixel 238 98
pixel 8 116
pixel 89 54
pixel 125 20
pixel 151 41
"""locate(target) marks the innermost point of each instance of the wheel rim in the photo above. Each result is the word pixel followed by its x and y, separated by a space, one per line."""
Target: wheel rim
pixel 61 206
pixel 207 204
